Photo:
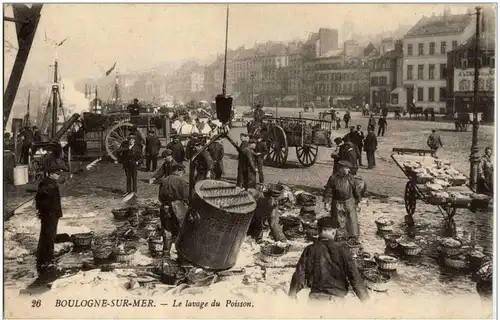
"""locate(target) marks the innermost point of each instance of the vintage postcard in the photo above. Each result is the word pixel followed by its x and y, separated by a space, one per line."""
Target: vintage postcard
pixel 249 160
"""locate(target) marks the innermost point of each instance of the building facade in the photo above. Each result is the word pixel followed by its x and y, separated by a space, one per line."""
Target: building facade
pixel 425 48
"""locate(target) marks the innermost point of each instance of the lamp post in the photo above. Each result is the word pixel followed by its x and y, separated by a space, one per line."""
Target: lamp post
pixel 474 150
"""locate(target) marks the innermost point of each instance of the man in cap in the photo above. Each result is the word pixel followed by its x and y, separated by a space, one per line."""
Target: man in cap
pixel 244 143
pixel 28 139
pixel 166 168
pixel 48 205
pixel 336 153
pixel 434 142
pixel 341 197
pixel 203 163
pixel 153 146
pixel 370 147
pixel 258 114
pixel 129 155
pixel 348 152
pixel 266 211
pixel 382 126
pixel 327 268
pixel 246 165
pixel 371 122
pixel 356 138
pixel 173 194
pixel 191 145
pixel 261 150
pixel 178 152
pixel 216 151
pixel 134 109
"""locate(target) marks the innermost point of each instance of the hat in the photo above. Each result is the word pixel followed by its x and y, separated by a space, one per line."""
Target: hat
pixel 338 140
pixel 327 223
pixel 344 163
pixel 166 153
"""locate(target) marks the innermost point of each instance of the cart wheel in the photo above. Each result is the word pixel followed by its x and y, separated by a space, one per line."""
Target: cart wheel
pixel 278 146
pixel 410 198
pixel 307 155
pixel 116 135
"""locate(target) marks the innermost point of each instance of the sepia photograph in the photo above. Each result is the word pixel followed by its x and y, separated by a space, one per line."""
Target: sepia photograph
pixel 249 160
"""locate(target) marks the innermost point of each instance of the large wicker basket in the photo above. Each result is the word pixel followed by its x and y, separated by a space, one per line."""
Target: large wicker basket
pixel 125 256
pixel 456 263
pixel 387 262
pixel 83 239
pixel 384 226
pixel 410 249
pixel 450 250
pixel 391 240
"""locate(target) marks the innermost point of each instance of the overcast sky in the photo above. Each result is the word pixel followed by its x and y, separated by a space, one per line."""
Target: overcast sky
pixel 143 35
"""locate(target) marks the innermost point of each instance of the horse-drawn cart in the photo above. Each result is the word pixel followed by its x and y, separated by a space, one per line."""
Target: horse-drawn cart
pixel 306 135
pixel 435 182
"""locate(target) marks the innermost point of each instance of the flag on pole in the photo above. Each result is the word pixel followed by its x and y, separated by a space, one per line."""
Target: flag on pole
pixel 111 70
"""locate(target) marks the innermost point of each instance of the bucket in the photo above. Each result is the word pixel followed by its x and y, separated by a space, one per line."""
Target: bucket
pixel 20 175
pixel 212 235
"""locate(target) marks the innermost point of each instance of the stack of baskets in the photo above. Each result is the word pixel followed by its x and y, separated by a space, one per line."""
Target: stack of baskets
pixel 410 248
pixel 276 190
pixel 355 247
pixel 384 225
pixel 124 254
pixel 291 226
pixel 155 245
pixel 387 263
pixel 453 253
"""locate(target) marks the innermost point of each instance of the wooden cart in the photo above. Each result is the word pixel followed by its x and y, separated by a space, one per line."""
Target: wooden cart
pixel 306 135
pixel 416 190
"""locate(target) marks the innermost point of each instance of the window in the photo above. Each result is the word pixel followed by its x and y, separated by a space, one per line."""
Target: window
pixel 374 81
pixel 420 49
pixel 350 87
pixel 432 48
pixel 409 72
pixel 431 71
pixel 420 94
pixel 420 72
pixel 410 49
pixel 443 47
pixel 454 45
pixel 431 94
pixel 442 94
pixel 443 70
pixel 382 81
pixel 492 62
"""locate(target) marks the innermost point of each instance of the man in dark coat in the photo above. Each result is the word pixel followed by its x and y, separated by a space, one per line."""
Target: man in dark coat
pixel 166 168
pixel 37 135
pixel 28 139
pixel 370 147
pixel 178 152
pixel 173 194
pixel 356 140
pixel 203 163
pixel 382 126
pixel 48 205
pixel 266 211
pixel 216 150
pixel 341 197
pixel 347 118
pixel 153 146
pixel 130 153
pixel 261 150
pixel 347 152
pixel 134 109
pixel 371 122
pixel 191 145
pixel 246 166
pixel 327 268
pixel 336 153
pixel 361 139
pixel 243 144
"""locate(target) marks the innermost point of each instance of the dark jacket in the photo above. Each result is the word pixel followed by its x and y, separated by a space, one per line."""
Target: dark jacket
pixel 48 199
pixel 134 109
pixel 153 145
pixel 341 187
pixel 347 117
pixel 348 152
pixel 261 148
pixel 382 122
pixel 129 156
pixel 28 135
pixel 216 151
pixel 371 142
pixel 37 136
pixel 327 266
pixel 173 188
pixel 204 162
pixel 355 138
pixel 165 169
pixel 178 152
pixel 372 122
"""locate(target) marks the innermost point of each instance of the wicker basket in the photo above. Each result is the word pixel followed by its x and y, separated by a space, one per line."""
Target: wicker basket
pixel 410 250
pixel 83 239
pixel 450 251
pixel 454 263
pixel 384 227
pixel 366 265
pixel 387 262
pixel 309 208
pixel 391 240
pixel 125 256
pixel 120 214
pixel 101 253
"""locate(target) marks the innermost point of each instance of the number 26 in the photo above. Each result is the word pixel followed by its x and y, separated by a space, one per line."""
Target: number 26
pixel 36 303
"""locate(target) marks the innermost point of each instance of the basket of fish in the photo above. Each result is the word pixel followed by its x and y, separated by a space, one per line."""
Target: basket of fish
pixel 366 264
pixel 386 262
pixel 384 224
pixel 83 239
pixel 450 246
pixel 410 248
pixel 124 253
pixel 391 240
pixel 456 262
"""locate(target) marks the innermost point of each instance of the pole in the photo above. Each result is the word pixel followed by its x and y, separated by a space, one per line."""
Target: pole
pixel 225 53
pixel 95 101
pixel 28 109
pixel 55 103
pixel 474 156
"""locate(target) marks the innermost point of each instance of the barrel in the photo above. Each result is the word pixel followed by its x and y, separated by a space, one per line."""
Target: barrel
pixel 222 215
pixel 20 175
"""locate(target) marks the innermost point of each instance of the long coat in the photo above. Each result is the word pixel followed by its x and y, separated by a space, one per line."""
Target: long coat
pixel 153 145
pixel 247 167
pixel 216 151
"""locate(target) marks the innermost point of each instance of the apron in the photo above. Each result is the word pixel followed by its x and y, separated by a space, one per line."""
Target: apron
pixel 347 216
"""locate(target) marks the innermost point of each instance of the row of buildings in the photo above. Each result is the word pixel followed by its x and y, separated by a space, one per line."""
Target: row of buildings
pixel 432 66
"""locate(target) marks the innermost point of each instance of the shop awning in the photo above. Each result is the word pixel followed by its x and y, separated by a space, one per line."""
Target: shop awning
pixel 343 98
pixel 290 99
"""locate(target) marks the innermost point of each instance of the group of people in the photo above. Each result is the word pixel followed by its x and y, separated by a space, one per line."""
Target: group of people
pixel 350 148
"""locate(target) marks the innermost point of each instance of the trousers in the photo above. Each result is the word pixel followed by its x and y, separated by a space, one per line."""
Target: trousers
pixel 46 241
pixel 381 131
pixel 151 162
pixel 370 158
pixel 345 213
pixel 218 170
pixel 131 175
pixel 260 168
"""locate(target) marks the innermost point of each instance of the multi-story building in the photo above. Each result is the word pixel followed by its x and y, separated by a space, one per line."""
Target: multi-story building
pixel 188 82
pixel 384 72
pixel 461 75
pixel 425 57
